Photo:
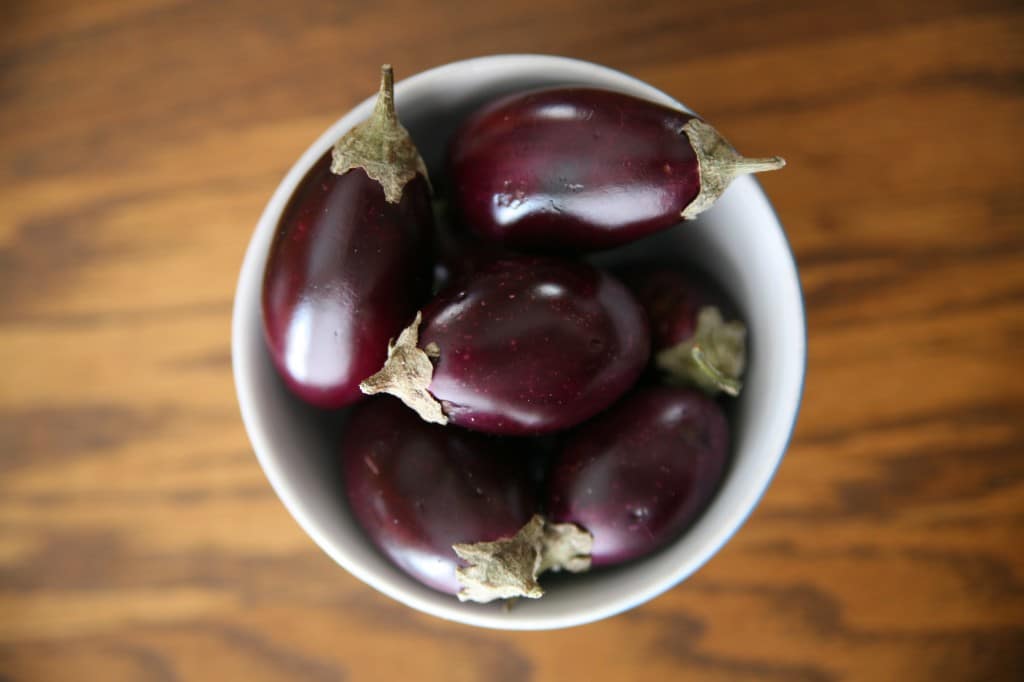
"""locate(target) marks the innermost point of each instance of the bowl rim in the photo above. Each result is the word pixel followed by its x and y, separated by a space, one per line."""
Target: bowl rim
pixel 252 266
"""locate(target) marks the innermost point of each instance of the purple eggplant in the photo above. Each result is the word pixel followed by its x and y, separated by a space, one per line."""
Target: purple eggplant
pixel 522 346
pixel 580 169
pixel 695 336
pixel 351 260
pixel 419 488
pixel 452 508
pixel 638 475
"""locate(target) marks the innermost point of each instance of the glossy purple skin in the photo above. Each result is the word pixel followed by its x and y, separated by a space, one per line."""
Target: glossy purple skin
pixel 638 475
pixel 346 272
pixel 572 169
pixel 672 299
pixel 418 488
pixel 530 345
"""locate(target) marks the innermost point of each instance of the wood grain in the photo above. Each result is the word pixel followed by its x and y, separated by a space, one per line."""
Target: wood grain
pixel 139 540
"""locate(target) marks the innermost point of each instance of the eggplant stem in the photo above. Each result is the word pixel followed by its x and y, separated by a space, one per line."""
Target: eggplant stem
pixel 719 164
pixel 712 359
pixel 508 568
pixel 380 146
pixel 385 104
pixel 725 384
pixel 407 373
pixel 745 166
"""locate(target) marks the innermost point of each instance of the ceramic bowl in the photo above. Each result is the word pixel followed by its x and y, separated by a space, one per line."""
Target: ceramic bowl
pixel 740 242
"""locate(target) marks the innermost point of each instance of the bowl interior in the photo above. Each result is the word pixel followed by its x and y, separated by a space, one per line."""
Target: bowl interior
pixel 740 242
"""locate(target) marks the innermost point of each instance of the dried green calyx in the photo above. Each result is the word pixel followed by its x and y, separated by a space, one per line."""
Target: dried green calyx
pixel 719 164
pixel 381 146
pixel 407 373
pixel 508 568
pixel 712 359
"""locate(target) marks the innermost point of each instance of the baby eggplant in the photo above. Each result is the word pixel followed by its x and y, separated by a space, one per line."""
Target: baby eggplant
pixel 639 474
pixel 582 169
pixel 521 346
pixel 691 340
pixel 417 488
pixel 350 262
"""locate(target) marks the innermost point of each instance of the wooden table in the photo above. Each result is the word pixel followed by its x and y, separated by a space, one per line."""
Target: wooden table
pixel 139 539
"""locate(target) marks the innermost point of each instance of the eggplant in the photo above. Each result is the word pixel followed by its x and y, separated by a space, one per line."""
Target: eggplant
pixel 638 475
pixel 417 488
pixel 456 510
pixel 583 169
pixel 350 262
pixel 523 345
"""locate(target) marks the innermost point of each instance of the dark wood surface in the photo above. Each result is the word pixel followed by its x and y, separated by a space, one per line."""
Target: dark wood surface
pixel 139 539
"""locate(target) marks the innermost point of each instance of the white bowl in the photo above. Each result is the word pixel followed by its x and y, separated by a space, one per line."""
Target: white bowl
pixel 739 241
